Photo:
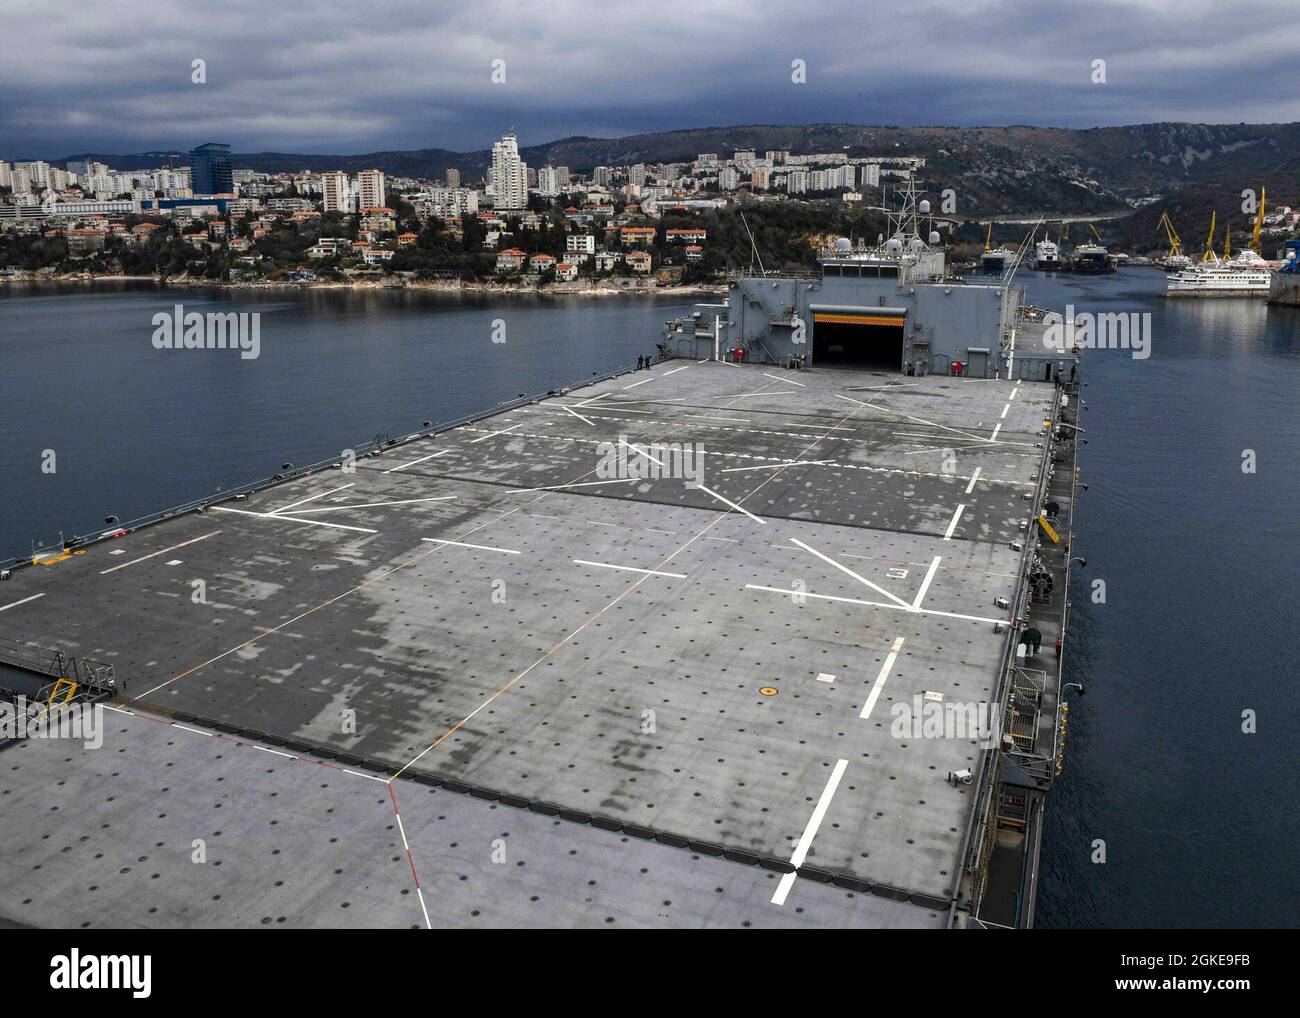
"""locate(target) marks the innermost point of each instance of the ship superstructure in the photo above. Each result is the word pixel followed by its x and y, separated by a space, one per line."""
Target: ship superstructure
pixel 890 305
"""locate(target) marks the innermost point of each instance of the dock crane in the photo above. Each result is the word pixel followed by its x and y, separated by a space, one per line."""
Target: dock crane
pixel 988 240
pixel 1209 241
pixel 1175 241
pixel 1259 218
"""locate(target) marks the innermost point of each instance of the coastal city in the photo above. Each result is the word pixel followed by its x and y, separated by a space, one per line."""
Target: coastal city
pixel 610 228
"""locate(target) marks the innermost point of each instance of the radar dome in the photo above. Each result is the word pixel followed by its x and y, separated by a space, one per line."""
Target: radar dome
pixel 844 244
pixel 893 245
pixel 924 207
pixel 934 236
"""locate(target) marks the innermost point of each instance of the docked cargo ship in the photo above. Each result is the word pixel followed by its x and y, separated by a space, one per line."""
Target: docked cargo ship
pixel 1091 258
pixel 1047 256
pixel 1284 282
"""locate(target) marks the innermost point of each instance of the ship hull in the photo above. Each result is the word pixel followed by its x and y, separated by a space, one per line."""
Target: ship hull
pixel 1285 290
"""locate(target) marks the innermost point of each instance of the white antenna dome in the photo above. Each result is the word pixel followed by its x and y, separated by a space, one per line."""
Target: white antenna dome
pixel 844 244
pixel 934 236
pixel 893 245
pixel 924 207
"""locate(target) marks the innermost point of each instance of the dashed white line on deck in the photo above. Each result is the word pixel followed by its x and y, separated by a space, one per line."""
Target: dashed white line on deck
pixel 952 524
pixel 810 832
pixel 973 478
pixel 491 434
pixel 925 584
pixel 403 466
pixel 15 604
pixel 371 505
pixel 879 685
pixel 583 484
pixel 311 498
pixel 292 519
pixel 142 558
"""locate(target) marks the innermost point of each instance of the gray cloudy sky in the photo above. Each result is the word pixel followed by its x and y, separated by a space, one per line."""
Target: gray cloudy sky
pixel 343 77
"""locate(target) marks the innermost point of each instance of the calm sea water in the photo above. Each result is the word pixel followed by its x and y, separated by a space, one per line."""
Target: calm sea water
pixel 136 430
pixel 1199 559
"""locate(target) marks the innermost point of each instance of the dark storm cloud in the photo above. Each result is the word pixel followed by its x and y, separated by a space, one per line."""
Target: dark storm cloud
pixel 350 77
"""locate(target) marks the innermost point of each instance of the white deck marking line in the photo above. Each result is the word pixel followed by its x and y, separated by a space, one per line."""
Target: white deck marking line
pixel 629 569
pixel 584 484
pixel 675 370
pixel 879 684
pixel 371 505
pixel 925 584
pixel 1005 409
pixel 196 540
pixel 642 382
pixel 973 478
pixel 491 434
pixel 871 604
pixel 729 540
pixel 785 381
pixel 706 417
pixel 271 631
pixel 403 466
pixel 742 395
pixel 909 417
pixel 556 647
pixel 996 428
pixel 952 524
pixel 463 544
pixel 638 449
pixel 292 519
pixel 15 604
pixel 599 395
pixel 620 409
pixel 775 466
pixel 845 569
pixel 569 409
pixel 810 832
pixel 310 498
pixel 733 505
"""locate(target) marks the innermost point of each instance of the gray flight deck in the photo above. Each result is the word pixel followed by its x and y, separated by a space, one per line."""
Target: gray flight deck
pixel 646 656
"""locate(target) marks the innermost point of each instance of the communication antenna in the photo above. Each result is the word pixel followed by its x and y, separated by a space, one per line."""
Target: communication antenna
pixel 753 248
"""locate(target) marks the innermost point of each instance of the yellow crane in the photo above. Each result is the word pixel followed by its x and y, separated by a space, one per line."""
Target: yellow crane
pixel 988 240
pixel 1259 217
pixel 1095 233
pixel 1209 241
pixel 1175 241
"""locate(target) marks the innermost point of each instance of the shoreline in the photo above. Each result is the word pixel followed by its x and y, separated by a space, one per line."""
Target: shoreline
pixel 433 285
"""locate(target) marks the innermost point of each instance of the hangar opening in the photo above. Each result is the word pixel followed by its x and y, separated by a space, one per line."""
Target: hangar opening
pixel 858 337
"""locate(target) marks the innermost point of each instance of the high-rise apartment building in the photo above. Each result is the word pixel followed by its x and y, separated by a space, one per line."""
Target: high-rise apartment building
pixel 338 195
pixel 370 189
pixel 509 174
